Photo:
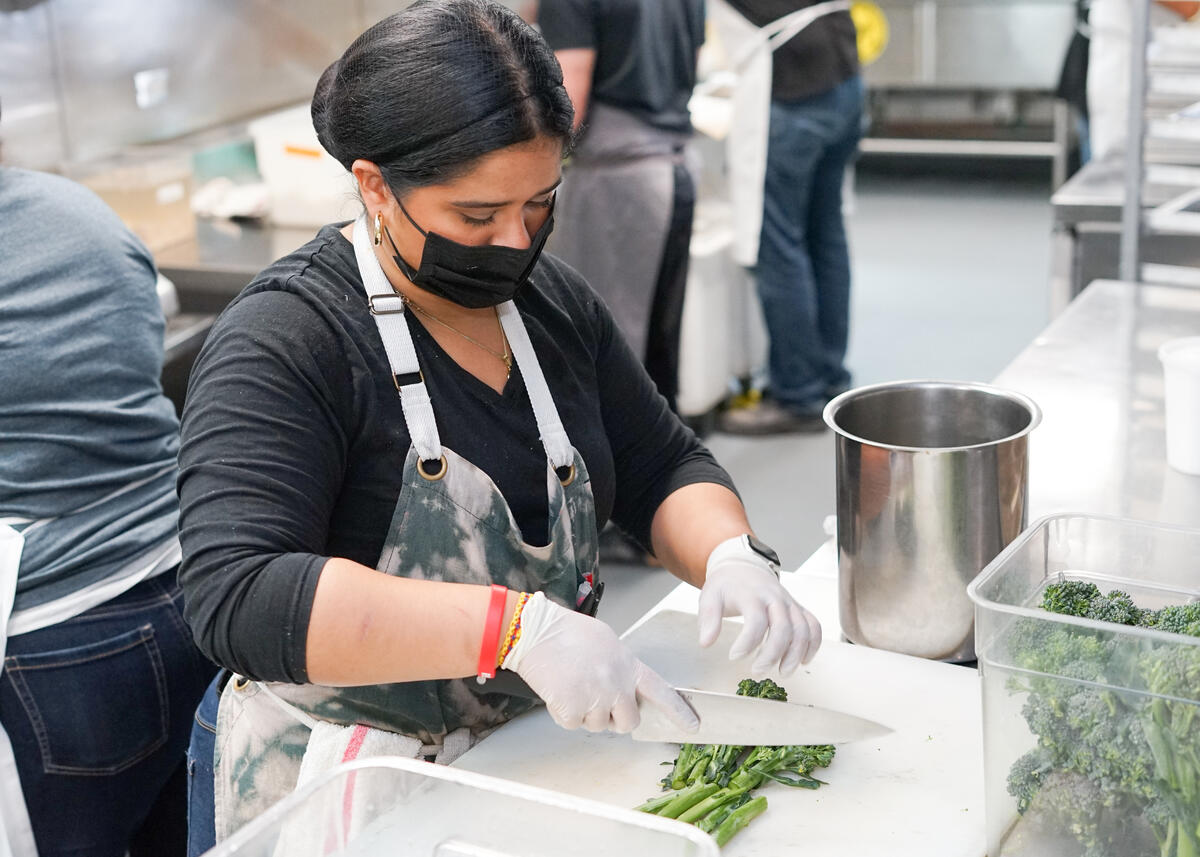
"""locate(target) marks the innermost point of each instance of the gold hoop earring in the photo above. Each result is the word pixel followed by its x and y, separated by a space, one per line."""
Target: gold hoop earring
pixel 378 228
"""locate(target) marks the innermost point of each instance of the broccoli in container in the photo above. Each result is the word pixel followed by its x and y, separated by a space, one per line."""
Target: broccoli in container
pixel 1113 774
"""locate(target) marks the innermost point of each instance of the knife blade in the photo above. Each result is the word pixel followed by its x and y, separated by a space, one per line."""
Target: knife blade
pixel 726 718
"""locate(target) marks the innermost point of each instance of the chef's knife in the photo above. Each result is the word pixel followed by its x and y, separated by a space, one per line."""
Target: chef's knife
pixel 726 718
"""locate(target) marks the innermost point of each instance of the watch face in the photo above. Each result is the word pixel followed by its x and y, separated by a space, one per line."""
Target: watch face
pixel 762 550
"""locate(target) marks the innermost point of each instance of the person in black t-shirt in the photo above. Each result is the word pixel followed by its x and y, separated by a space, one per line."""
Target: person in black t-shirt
pixel 803 269
pixel 625 210
pixel 401 439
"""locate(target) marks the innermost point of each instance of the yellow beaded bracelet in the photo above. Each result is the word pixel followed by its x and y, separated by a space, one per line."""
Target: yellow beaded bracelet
pixel 514 629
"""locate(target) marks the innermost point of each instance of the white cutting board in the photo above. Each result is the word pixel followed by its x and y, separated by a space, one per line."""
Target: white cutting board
pixel 917 791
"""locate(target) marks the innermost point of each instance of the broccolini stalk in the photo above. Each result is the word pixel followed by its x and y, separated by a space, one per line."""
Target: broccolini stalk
pixel 713 802
pixel 723 763
pixel 696 775
pixel 653 805
pixel 738 819
pixel 684 762
pixel 686 799
pixel 713 820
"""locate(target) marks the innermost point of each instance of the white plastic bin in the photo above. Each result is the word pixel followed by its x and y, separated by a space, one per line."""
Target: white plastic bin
pixel 389 807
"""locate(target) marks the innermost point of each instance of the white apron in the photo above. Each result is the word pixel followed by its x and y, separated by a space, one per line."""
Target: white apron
pixel 749 52
pixel 17 839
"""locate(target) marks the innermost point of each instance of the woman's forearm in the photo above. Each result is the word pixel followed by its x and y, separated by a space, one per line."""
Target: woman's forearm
pixel 371 628
pixel 691 522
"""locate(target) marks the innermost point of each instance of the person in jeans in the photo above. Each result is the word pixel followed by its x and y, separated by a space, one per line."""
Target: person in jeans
pixel 625 210
pixel 626 206
pixel 100 676
pixel 803 270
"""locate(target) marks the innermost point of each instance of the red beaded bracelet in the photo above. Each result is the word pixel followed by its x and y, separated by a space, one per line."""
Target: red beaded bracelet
pixel 491 634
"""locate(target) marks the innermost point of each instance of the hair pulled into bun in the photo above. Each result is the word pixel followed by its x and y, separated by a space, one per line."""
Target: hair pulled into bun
pixel 428 91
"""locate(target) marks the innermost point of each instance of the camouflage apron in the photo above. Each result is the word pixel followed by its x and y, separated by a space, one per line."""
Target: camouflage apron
pixel 450 523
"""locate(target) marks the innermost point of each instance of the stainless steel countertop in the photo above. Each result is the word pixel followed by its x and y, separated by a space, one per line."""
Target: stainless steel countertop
pixel 1095 372
pixel 223 257
pixel 1096 193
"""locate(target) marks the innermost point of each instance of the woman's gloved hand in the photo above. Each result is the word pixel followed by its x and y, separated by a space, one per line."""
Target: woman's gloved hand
pixel 585 675
pixel 740 582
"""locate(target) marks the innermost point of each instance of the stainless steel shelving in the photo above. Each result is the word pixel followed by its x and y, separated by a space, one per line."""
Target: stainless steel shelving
pixel 1163 133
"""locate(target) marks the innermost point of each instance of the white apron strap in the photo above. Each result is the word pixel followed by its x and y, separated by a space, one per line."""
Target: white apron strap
pixel 387 308
pixel 550 427
pixel 782 30
pixel 16 831
pixel 750 51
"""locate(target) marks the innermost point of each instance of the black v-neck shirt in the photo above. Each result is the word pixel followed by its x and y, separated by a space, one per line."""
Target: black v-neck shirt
pixel 294 441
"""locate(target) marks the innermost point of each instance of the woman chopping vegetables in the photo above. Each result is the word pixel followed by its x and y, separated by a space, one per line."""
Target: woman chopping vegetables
pixel 400 440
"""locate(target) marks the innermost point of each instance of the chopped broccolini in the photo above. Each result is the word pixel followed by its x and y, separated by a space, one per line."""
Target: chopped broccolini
pixel 711 784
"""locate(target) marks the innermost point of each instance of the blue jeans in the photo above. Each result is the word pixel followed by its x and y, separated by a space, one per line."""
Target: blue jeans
pixel 98 709
pixel 201 793
pixel 803 267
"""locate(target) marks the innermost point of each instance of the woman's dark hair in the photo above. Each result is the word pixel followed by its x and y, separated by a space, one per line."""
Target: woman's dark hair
pixel 428 91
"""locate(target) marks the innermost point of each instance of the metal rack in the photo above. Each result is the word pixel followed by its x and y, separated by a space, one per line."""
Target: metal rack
pixel 971 78
pixel 1163 144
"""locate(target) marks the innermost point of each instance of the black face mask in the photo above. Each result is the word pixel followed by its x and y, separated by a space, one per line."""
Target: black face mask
pixel 472 276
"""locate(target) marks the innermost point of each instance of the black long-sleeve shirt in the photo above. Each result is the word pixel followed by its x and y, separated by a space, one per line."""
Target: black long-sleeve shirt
pixel 294 441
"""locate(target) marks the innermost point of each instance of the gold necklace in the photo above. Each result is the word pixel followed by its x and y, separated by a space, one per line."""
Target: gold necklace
pixel 505 357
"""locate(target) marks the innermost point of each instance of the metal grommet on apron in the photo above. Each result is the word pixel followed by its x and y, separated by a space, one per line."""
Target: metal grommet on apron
pixel 437 474
pixel 452 525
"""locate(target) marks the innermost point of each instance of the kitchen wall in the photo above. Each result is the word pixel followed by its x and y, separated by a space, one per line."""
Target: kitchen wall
pixel 80 79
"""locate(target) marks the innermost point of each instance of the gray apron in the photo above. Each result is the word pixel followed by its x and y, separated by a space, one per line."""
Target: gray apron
pixel 613 212
pixel 453 525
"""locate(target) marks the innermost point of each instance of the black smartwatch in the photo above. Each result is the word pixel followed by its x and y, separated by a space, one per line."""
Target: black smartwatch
pixel 765 551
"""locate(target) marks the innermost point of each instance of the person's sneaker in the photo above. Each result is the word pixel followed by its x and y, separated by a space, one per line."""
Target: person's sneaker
pixel 769 417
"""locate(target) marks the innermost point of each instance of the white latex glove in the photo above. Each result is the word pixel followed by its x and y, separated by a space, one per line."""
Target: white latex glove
pixel 585 674
pixel 742 583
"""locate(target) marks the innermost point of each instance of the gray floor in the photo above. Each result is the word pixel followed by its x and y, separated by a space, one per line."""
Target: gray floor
pixel 950 282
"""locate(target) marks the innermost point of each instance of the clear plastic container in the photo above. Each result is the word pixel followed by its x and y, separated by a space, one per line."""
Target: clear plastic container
pixel 1091 729
pixel 392 807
